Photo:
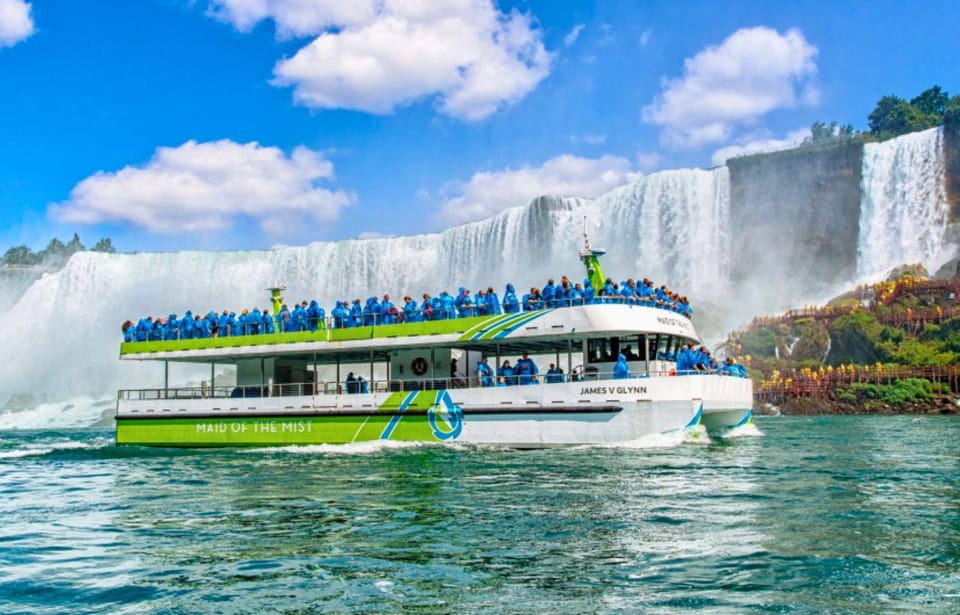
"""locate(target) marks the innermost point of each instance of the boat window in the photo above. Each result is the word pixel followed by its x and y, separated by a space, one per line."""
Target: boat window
pixel 667 347
pixel 605 350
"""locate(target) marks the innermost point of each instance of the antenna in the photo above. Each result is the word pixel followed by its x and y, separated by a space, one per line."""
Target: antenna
pixel 586 239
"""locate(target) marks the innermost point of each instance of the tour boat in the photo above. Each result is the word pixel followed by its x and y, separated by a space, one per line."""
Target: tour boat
pixel 419 382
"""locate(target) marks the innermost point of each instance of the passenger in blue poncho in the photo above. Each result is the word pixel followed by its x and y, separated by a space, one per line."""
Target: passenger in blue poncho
pixel 510 303
pixel 340 315
pixel 686 360
pixel 505 374
pixel 447 309
pixel 588 291
pixel 186 326
pixel 554 374
pixel 298 318
pixel 463 294
pixel 427 308
pixel 485 372
pixel 526 370
pixel 493 302
pixel 621 370
pixel 316 316
pixel 266 322
pixel 479 304
pixel 730 368
pixel 389 311
pixel 356 313
pixel 548 294
pixel 128 329
pixel 411 313
pixel 233 326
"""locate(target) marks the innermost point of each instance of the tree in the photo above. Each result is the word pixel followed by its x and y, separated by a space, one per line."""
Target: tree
pixel 19 255
pixel 821 132
pixel 932 101
pixel 104 245
pixel 893 116
pixel 74 245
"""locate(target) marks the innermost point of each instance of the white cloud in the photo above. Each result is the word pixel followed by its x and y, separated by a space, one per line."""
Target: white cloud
pixel 375 55
pixel 648 161
pixel 752 72
pixel 490 192
pixel 645 36
pixel 793 139
pixel 573 35
pixel 199 187
pixel 294 17
pixel 16 22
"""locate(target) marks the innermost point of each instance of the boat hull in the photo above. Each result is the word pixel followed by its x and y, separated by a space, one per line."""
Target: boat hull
pixel 590 412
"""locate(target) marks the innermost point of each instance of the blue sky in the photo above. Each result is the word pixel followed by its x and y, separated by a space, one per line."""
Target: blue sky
pixel 221 124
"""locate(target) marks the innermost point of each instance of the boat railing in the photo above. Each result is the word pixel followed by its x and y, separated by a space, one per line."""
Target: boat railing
pixel 358 387
pixel 160 333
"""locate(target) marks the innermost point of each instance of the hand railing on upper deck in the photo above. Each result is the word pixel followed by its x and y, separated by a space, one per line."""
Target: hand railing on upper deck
pixel 399 316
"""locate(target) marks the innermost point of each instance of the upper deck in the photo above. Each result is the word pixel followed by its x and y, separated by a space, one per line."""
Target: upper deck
pixel 546 325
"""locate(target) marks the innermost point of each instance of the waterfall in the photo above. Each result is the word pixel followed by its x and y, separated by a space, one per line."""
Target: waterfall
pixel 64 330
pixel 903 204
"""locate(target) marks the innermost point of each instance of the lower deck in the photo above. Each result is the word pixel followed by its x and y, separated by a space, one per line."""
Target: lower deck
pixel 558 413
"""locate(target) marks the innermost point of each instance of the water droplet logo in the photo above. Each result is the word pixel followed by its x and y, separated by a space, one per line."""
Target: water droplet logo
pixel 445 417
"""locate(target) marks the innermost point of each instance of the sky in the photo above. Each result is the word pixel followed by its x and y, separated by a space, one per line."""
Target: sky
pixel 246 124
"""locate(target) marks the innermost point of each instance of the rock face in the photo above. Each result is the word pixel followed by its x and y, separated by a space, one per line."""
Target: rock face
pixel 802 205
pixel 951 146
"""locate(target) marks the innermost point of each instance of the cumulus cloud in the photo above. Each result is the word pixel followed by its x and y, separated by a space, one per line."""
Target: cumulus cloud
pixel 487 193
pixel 16 22
pixel 200 187
pixel 793 139
pixel 752 72
pixel 375 55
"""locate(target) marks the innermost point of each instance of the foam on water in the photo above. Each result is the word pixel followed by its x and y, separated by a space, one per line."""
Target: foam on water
pixel 353 448
pixel 42 448
pixel 750 430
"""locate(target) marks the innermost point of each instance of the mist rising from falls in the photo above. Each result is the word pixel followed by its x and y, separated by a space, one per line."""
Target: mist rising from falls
pixel 903 207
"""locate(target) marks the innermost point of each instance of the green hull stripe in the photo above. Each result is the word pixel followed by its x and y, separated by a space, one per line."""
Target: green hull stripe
pixel 272 431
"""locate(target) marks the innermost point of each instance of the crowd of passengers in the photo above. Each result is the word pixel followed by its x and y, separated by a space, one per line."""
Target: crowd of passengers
pixel 311 317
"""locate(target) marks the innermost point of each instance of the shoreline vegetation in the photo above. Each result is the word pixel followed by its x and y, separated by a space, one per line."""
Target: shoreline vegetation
pixel 55 255
pixel 890 347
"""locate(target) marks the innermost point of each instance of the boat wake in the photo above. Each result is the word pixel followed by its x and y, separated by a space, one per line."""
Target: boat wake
pixel 352 448
pixel 750 430
pixel 671 439
pixel 44 448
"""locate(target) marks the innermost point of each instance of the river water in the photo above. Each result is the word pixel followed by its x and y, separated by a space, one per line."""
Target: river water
pixel 820 514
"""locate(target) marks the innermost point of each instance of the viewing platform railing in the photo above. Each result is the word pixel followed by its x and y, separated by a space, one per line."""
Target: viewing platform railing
pixel 161 333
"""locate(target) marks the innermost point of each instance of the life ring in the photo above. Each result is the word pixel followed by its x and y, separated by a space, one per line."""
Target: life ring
pixel 673 372
pixel 419 366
